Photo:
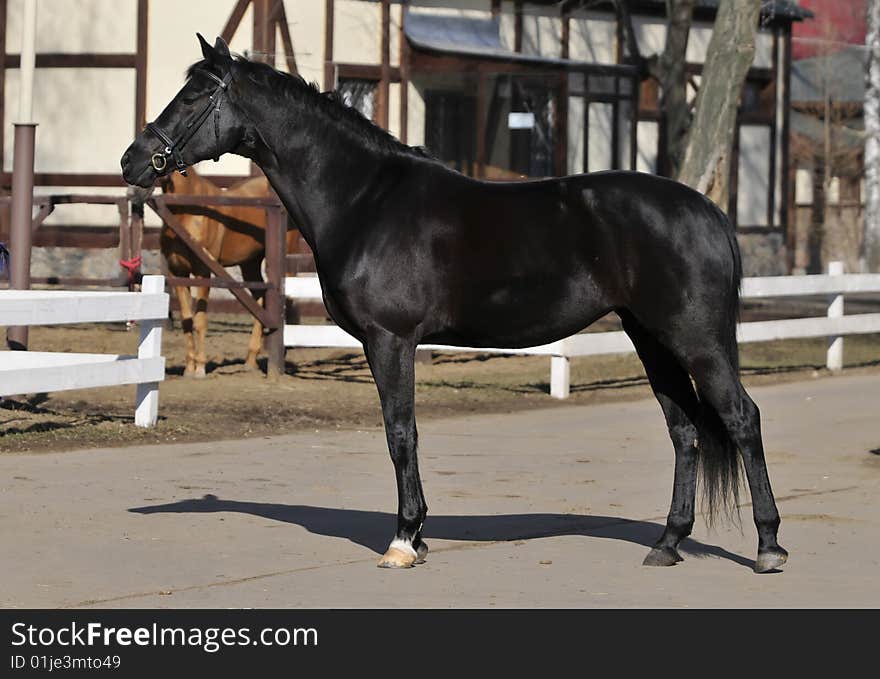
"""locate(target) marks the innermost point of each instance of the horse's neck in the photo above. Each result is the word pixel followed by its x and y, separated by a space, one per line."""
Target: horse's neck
pixel 314 179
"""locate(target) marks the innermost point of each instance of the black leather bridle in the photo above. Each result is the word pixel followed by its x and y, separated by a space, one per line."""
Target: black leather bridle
pixel 173 147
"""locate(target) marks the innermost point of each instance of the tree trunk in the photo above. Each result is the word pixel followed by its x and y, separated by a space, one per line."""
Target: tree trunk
pixel 669 70
pixel 816 230
pixel 871 242
pixel 706 163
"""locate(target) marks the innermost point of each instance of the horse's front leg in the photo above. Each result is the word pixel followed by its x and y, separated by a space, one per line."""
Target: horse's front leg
pixel 392 363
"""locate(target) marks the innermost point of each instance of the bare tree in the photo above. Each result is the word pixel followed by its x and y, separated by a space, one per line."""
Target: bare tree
pixel 706 163
pixel 669 68
pixel 871 240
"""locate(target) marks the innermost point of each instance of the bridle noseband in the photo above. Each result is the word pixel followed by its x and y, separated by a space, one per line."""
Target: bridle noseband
pixel 172 147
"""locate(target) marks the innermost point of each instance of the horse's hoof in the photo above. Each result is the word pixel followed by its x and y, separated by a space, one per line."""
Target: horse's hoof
pixel 421 553
pixel 662 556
pixel 397 558
pixel 770 560
pixel 200 373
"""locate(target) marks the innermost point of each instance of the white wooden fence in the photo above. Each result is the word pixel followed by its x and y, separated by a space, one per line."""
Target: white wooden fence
pixel 27 372
pixel 834 325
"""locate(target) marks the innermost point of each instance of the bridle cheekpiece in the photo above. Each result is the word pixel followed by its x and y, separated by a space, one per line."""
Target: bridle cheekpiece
pixel 172 147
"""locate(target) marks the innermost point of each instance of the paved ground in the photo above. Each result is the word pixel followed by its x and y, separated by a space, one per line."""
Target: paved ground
pixel 548 508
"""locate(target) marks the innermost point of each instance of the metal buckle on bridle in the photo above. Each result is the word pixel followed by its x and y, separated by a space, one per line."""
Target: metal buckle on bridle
pixel 159 161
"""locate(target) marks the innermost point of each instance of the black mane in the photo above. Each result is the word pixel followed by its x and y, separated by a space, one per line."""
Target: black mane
pixel 329 103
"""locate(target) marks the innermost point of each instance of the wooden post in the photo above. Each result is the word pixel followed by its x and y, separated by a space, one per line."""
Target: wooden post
pixel 787 193
pixel 480 169
pixel 150 346
pixel 517 26
pixel 403 61
pixel 124 239
pixel 834 357
pixel 385 66
pixel 2 72
pixel 140 88
pixel 329 74
pixel 276 242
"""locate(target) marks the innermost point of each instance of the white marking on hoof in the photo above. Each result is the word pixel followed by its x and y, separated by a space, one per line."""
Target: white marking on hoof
pixel 400 554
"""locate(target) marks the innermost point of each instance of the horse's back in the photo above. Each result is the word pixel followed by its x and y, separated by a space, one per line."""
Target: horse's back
pixel 526 262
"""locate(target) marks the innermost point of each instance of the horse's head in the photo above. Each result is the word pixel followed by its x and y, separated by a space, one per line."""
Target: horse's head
pixel 200 122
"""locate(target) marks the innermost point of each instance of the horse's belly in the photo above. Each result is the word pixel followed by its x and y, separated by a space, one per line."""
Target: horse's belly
pixel 527 313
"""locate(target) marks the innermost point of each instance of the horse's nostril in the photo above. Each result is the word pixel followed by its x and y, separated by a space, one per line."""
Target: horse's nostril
pixel 125 159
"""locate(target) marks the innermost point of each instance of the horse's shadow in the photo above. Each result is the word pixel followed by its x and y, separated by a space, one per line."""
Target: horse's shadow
pixel 373 529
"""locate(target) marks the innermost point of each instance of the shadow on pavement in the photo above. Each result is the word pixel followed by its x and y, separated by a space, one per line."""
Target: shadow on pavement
pixel 373 530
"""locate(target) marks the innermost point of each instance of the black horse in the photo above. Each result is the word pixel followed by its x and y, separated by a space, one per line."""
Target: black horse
pixel 409 251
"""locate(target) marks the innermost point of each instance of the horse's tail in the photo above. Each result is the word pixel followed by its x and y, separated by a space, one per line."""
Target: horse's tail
pixel 719 462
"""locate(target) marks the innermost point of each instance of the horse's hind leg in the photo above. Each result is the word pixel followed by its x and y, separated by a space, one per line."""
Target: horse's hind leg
pixel 718 382
pixel 673 390
pixel 392 364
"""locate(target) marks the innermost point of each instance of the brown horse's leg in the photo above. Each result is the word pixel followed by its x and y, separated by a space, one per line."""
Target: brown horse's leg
pixel 186 322
pixel 200 326
pixel 250 271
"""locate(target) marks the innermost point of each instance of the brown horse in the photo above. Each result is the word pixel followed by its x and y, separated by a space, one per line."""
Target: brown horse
pixel 234 235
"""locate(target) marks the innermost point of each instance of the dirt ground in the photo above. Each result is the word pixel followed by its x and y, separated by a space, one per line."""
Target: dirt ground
pixel 325 388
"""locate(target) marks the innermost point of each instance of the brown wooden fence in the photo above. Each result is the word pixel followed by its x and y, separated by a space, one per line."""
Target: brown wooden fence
pixel 132 238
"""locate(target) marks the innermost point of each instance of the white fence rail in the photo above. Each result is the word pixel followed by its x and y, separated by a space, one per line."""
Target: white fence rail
pixel 834 325
pixel 27 372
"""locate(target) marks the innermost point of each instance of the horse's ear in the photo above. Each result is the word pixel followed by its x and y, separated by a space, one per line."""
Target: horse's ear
pixel 208 52
pixel 222 48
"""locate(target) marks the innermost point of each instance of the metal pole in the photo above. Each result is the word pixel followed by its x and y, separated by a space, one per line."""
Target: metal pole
pixel 20 229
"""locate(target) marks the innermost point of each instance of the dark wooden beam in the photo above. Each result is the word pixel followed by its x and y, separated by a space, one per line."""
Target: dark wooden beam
pixel 517 25
pixel 234 19
pixel 260 44
pixel 367 72
pixel 480 170
pixel 3 8
pixel 771 184
pixel 102 179
pixel 385 65
pixel 59 60
pixel 329 74
pixel 140 88
pixel 286 40
pixel 403 60
pixel 787 193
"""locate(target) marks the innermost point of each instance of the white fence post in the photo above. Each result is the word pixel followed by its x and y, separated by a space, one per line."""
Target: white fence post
pixel 834 358
pixel 150 346
pixel 560 376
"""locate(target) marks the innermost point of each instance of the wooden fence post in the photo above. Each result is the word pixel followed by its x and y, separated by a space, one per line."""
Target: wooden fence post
pixel 276 259
pixel 834 357
pixel 150 346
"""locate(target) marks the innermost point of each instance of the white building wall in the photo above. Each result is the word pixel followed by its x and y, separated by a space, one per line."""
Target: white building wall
pixel 592 38
pixel 357 32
